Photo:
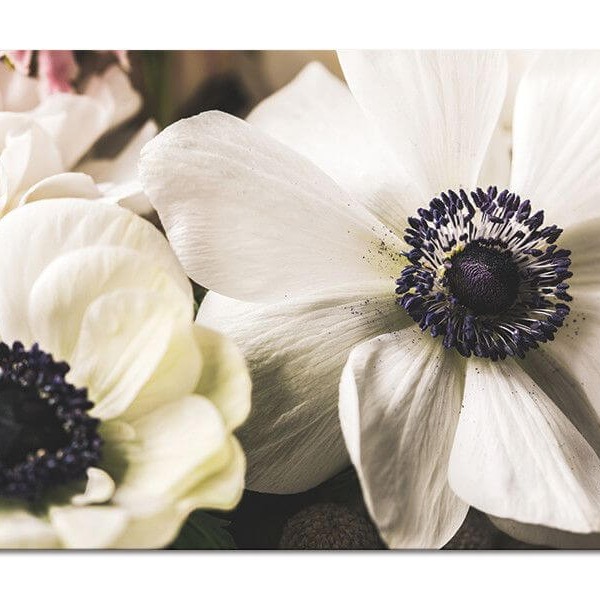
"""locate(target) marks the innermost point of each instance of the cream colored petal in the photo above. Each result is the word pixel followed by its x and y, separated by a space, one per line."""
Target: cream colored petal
pixel 225 380
pixel 122 338
pixel 28 156
pixel 58 227
pixel 20 529
pixel 62 185
pixel 176 446
pixel 88 527
pixel 99 488
pixel 223 490
pixel 56 310
pixel 175 376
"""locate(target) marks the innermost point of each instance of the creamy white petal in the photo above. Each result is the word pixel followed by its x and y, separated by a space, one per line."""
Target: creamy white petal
pixel 556 136
pixel 517 456
pixel 122 338
pixel 176 375
pixel 400 397
pixel 99 488
pixel 155 530
pixel 88 527
pixel 56 310
pixel 29 155
pixel 176 446
pixel 114 91
pixel 437 109
pixel 62 185
pixel 60 226
pixel 21 529
pixel 575 350
pixel 545 536
pixel 317 116
pixel 118 177
pixel 224 380
pixel 252 219
pixel 583 239
pixel 17 92
pixel 123 167
pixel 296 352
pixel 221 491
pixel 73 121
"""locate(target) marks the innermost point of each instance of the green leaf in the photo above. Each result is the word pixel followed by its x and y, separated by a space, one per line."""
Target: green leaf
pixel 203 531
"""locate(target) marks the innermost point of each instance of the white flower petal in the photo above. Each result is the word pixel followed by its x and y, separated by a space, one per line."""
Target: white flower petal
pixel 73 121
pixel 28 156
pixel 556 136
pixel 545 536
pixel 99 488
pixel 56 310
pixel 317 116
pixel 115 93
pixel 437 109
pixel 517 456
pixel 296 352
pixel 21 529
pixel 176 446
pixel 155 530
pixel 583 239
pixel 118 177
pixel 17 92
pixel 250 218
pixel 224 379
pixel 62 185
pixel 575 350
pixel 223 490
pixel 400 398
pixel 58 227
pixel 176 375
pixel 122 338
pixel 88 527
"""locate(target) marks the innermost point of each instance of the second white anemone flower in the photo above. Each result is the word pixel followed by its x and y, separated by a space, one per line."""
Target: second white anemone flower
pixel 348 245
pixel 116 410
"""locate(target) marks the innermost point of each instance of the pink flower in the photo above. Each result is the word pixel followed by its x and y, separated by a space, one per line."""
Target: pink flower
pixel 56 69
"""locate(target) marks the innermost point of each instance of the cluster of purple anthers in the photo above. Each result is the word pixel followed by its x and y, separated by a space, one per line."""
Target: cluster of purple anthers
pixel 47 437
pixel 485 274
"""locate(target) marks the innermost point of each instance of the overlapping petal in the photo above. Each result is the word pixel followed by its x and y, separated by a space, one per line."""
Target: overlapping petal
pixel 517 456
pixel 400 397
pixel 228 195
pixel 437 110
pixel 295 352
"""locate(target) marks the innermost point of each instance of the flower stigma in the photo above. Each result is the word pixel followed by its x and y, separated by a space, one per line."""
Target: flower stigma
pixel 47 437
pixel 485 274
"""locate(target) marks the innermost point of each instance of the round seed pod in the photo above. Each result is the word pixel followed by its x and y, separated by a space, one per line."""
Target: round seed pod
pixel 328 526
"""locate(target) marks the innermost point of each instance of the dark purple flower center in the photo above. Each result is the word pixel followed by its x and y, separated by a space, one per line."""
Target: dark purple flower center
pixel 47 437
pixel 486 280
pixel 485 274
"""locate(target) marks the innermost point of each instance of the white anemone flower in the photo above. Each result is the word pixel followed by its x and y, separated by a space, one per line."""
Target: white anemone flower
pixel 116 409
pixel 351 253
pixel 44 141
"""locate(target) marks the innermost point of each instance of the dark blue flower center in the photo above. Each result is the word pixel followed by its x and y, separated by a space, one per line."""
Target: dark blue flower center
pixel 47 437
pixel 485 274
